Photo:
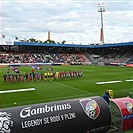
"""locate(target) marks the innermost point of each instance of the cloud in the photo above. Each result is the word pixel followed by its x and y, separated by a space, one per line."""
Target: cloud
pixel 70 20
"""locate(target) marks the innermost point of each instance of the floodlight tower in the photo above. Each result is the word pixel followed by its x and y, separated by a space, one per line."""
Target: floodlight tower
pixel 101 9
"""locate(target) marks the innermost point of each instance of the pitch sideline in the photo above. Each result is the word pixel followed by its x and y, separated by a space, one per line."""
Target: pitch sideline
pixel 116 81
pixel 20 90
pixel 130 80
pixel 109 82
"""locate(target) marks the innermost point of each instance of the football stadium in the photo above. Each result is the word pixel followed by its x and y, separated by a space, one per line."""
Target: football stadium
pixel 66 87
pixel 39 73
pixel 72 83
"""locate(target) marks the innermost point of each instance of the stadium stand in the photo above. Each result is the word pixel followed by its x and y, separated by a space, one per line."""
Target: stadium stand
pixel 25 52
pixel 42 58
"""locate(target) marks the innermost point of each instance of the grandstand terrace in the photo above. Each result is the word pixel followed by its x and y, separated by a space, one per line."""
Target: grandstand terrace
pixel 27 52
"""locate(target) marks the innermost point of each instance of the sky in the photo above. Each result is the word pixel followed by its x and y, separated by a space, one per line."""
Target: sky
pixel 73 21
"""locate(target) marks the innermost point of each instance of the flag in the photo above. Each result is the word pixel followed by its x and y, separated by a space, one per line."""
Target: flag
pixel 16 38
pixel 37 67
pixel 3 36
pixel 15 69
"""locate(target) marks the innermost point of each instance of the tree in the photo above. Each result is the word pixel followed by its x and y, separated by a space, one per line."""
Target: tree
pixel 32 40
pixel 63 42
pixel 50 41
pixel 47 41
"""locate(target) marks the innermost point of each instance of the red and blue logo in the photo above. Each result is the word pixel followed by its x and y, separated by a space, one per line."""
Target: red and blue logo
pixel 90 107
pixel 129 106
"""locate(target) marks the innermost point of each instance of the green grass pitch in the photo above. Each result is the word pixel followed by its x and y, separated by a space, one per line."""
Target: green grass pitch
pixel 49 91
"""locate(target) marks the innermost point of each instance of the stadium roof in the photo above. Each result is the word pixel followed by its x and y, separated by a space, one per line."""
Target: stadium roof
pixel 75 45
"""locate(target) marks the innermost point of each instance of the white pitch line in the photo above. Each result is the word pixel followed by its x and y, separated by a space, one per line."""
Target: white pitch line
pixel 20 90
pixel 72 87
pixel 130 80
pixel 109 82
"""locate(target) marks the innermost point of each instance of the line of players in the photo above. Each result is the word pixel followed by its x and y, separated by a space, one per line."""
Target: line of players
pixel 35 76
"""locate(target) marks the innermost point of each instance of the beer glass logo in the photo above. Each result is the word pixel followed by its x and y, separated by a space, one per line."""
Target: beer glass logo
pixel 5 122
pixel 90 107
pixel 129 106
